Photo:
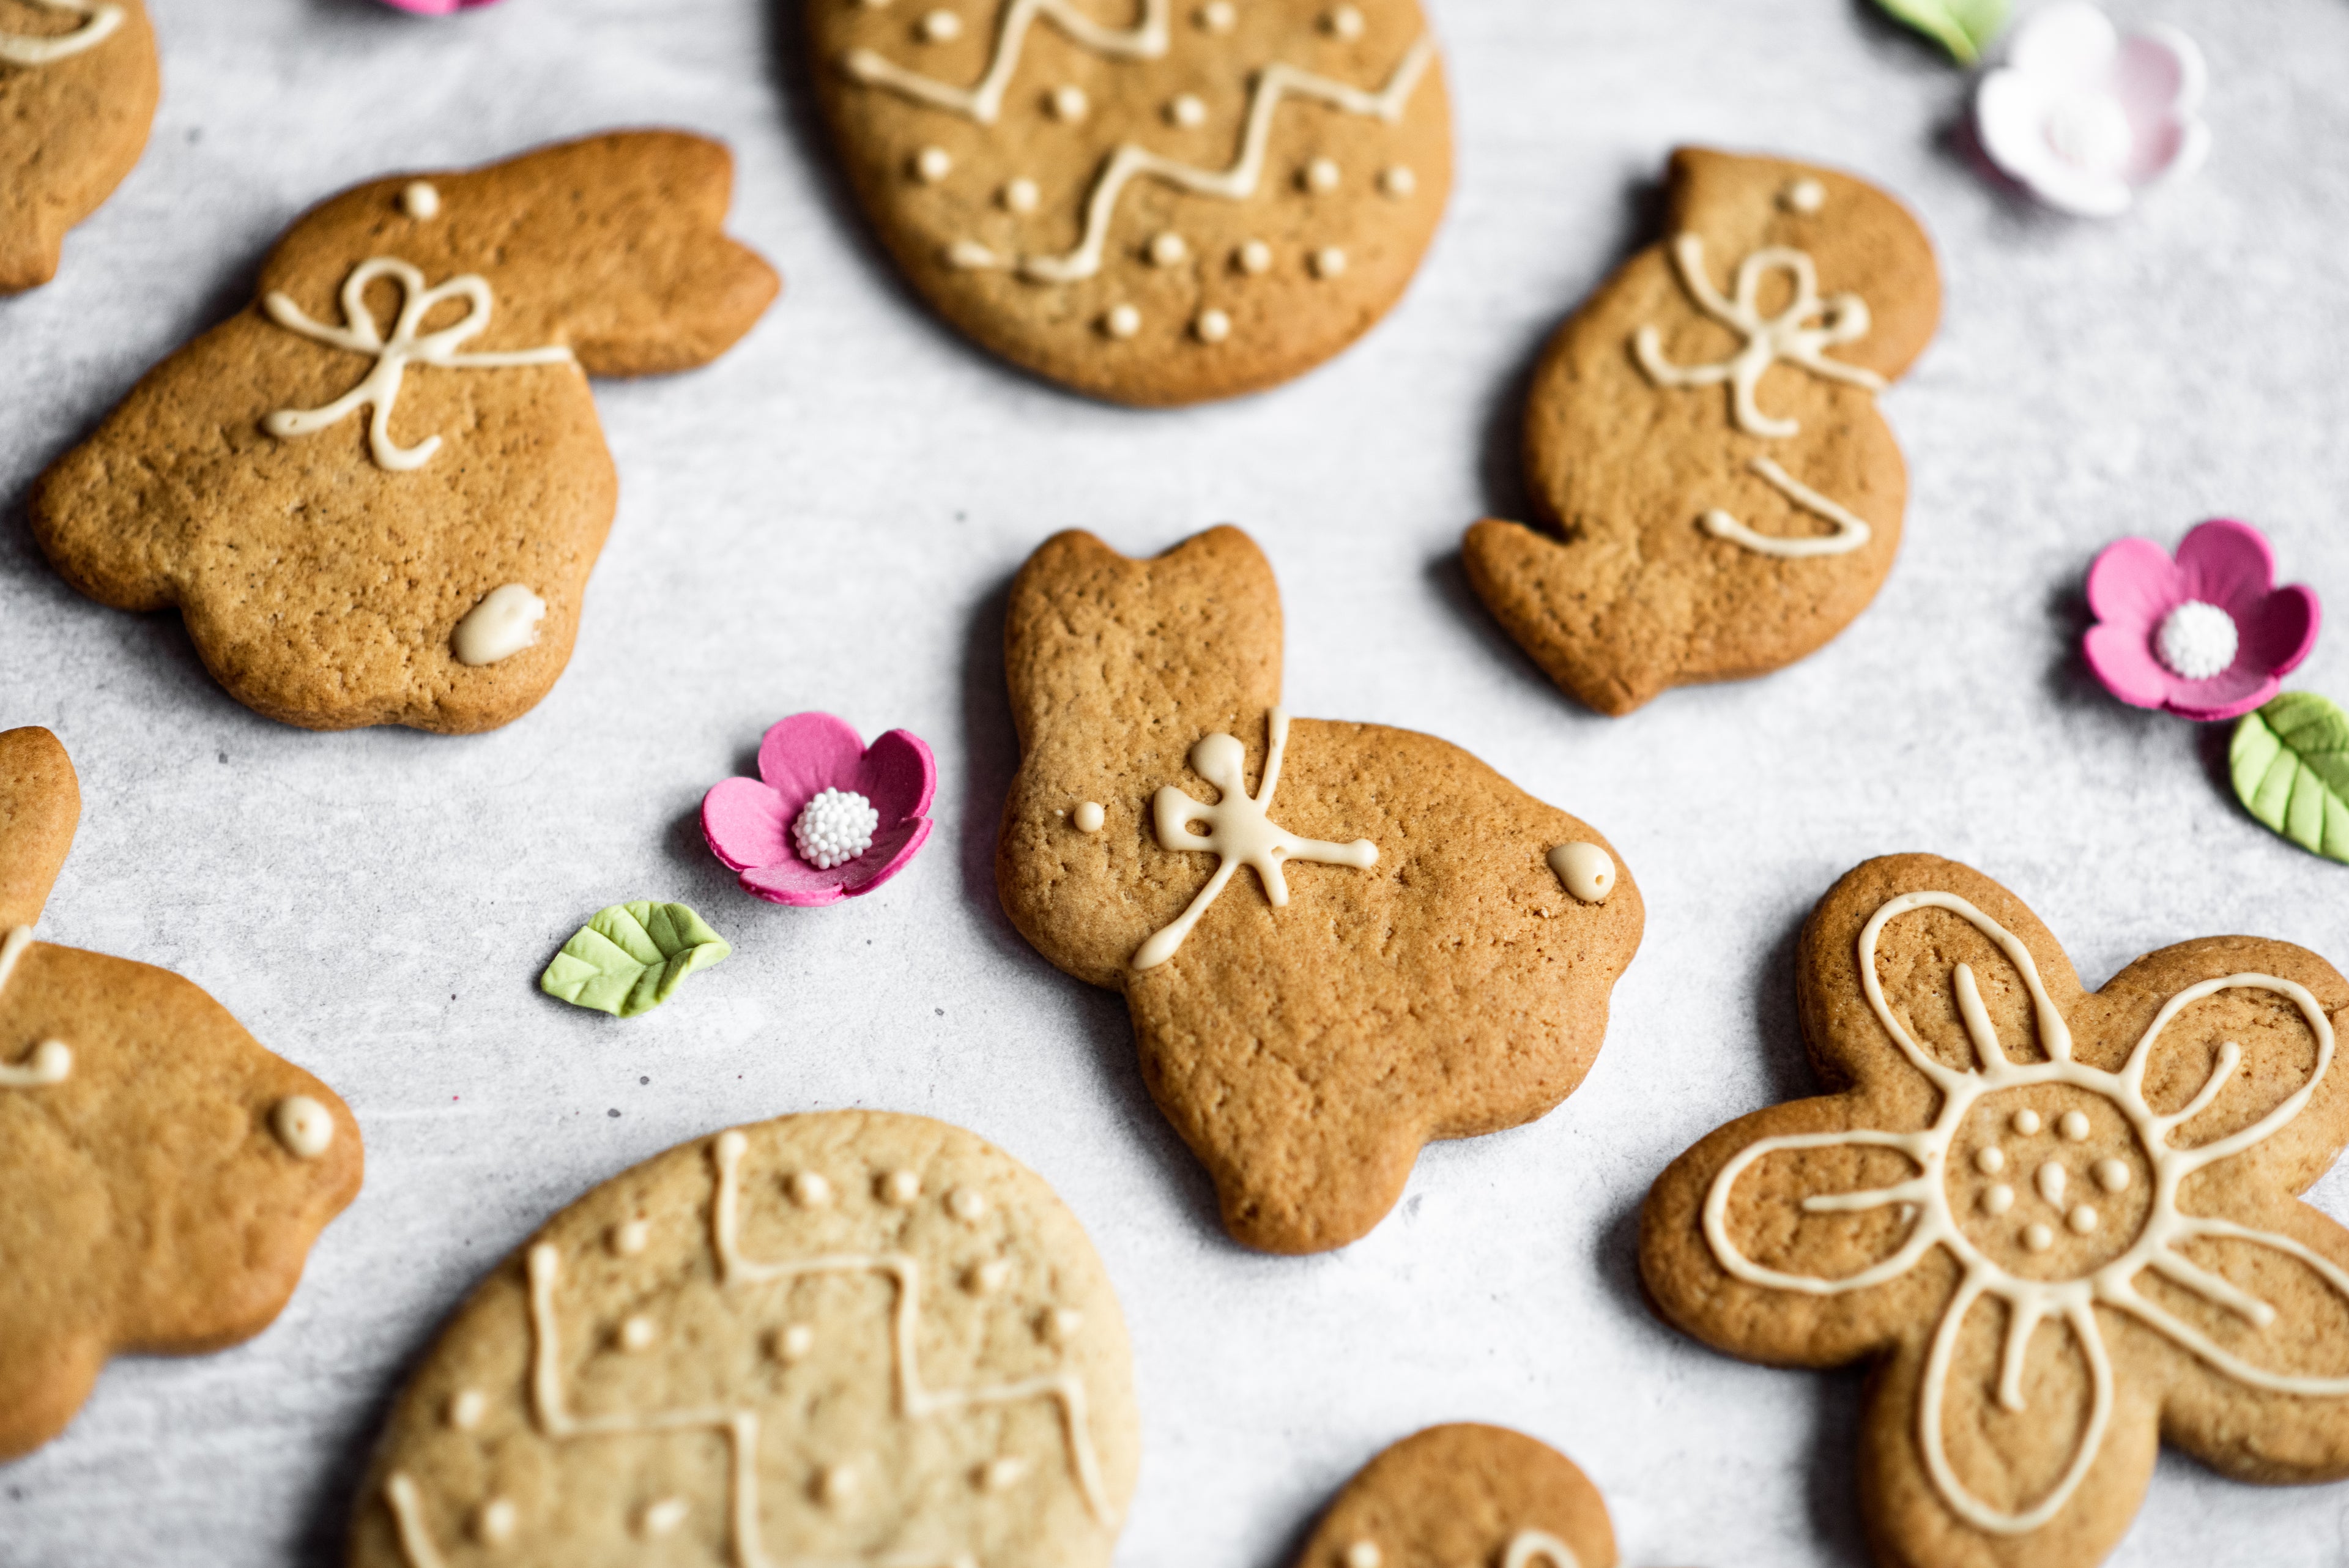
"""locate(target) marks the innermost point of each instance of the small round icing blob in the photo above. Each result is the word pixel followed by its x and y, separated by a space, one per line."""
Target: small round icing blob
pixel 2026 1122
pixel 810 1189
pixel 1254 258
pixel 941 28
pixel 1397 180
pixel 420 201
pixel 1991 1161
pixel 932 164
pixel 836 1485
pixel 966 1203
pixel 1122 321
pixel 1089 816
pixel 496 1521
pixel 1329 261
pixel 1167 249
pixel 1218 16
pixel 503 624
pixel 1345 21
pixel 1998 1199
pixel 901 1187
pixel 1061 1325
pixel 2050 1179
pixel 663 1517
pixel 2038 1237
pixel 792 1344
pixel 1020 196
pixel 466 1408
pixel 2197 640
pixel 629 1239
pixel 1003 1474
pixel 1364 1554
pixel 732 1143
pixel 1805 195
pixel 2083 1219
pixel 1321 174
pixel 2074 1126
pixel 1212 326
pixel 1187 110
pixel 638 1334
pixel 2113 1175
pixel 1068 103
pixel 834 828
pixel 1587 871
pixel 988 1277
pixel 302 1125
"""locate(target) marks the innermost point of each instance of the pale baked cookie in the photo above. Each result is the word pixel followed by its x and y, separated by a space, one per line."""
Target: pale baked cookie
pixel 1720 493
pixel 164 1174
pixel 376 493
pixel 2060 1225
pixel 846 1337
pixel 77 89
pixel 1337 942
pixel 1465 1497
pixel 1155 202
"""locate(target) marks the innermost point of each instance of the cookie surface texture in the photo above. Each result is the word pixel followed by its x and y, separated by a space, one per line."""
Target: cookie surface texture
pixel 838 1338
pixel 2060 1225
pixel 78 89
pixel 1370 940
pixel 376 495
pixel 1155 202
pixel 1719 495
pixel 165 1174
pixel 1465 1496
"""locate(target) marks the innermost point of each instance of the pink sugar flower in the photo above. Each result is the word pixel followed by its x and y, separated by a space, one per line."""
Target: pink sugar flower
pixel 2206 636
pixel 437 7
pixel 832 819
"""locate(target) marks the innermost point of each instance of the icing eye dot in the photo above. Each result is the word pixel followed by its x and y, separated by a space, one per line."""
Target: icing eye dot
pixel 2074 1126
pixel 638 1334
pixel 630 1239
pixel 1364 1554
pixel 466 1408
pixel 420 201
pixel 1991 1161
pixel 1329 261
pixel 1218 16
pixel 834 828
pixel 2111 1175
pixel 1398 180
pixel 932 164
pixel 2038 1237
pixel 1587 871
pixel 1321 174
pixel 1187 111
pixel 966 1203
pixel 1089 816
pixel 810 1189
pixel 2026 1122
pixel 301 1123
pixel 1254 258
pixel 1070 103
pixel 941 28
pixel 2197 640
pixel 663 1517
pixel 1168 250
pixel 2050 1179
pixel 1003 1474
pixel 1998 1199
pixel 496 1521
pixel 1122 321
pixel 900 1187
pixel 791 1343
pixel 1805 195
pixel 2083 1219
pixel 1345 21
pixel 1020 196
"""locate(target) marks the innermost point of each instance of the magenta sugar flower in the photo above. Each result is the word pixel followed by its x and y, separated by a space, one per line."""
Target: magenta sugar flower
pixel 2205 636
pixel 436 8
pixel 827 818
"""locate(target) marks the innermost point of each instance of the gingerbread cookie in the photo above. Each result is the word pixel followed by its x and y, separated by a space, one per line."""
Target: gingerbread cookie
pixel 844 1337
pixel 165 1175
pixel 1702 438
pixel 1420 949
pixel 78 89
pixel 2061 1225
pixel 1465 1497
pixel 1155 202
pixel 376 495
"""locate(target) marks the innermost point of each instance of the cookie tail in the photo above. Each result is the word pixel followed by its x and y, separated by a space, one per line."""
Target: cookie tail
pixel 1543 600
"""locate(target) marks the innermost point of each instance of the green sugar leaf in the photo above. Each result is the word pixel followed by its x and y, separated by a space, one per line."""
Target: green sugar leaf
pixel 1964 27
pixel 631 958
pixel 2291 767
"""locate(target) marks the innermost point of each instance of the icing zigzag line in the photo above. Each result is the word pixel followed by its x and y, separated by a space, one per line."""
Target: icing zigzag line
pixel 1146 41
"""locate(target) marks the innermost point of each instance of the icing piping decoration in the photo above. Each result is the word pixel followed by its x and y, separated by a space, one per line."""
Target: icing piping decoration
pixel 51 1061
pixel 302 1125
pixel 1145 40
pixel 381 389
pixel 1586 870
pixel 1240 832
pixel 28 50
pixel 1529 1546
pixel 1924 1198
pixel 1851 531
pixel 503 624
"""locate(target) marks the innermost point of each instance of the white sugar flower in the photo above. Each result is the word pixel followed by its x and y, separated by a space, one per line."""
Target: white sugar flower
pixel 2086 117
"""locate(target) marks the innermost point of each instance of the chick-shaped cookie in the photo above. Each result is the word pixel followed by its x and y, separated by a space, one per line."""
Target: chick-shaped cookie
pixel 376 495
pixel 165 1175
pixel 77 89
pixel 1337 942
pixel 1465 1496
pixel 1702 441
pixel 2060 1226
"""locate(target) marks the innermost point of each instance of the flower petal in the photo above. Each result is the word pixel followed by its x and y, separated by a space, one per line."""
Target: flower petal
pixel 2122 657
pixel 891 851
pixel 2226 696
pixel 2133 583
pixel 898 775
pixel 2073 43
pixel 807 754
pixel 745 824
pixel 2280 632
pixel 2227 564
pixel 792 880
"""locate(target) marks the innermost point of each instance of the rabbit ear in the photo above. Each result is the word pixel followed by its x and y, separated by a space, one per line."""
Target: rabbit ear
pixel 40 806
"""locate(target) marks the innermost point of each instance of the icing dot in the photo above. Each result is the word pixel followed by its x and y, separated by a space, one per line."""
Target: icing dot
pixel 420 201
pixel 1061 1325
pixel 301 1124
pixel 2082 1220
pixel 1398 180
pixel 1212 326
pixel 1345 21
pixel 665 1516
pixel 466 1408
pixel 1003 1474
pixel 941 26
pixel 1805 195
pixel 2026 1122
pixel 792 1344
pixel 1329 261
pixel 810 1189
pixel 836 1484
pixel 495 1522
pixel 732 1143
pixel 932 164
pixel 988 1277
pixel 901 1187
pixel 2111 1175
pixel 2050 1180
pixel 834 828
pixel 1068 103
pixel 1364 1554
pixel 1991 1161
pixel 503 624
pixel 1168 250
pixel 1187 110
pixel 1122 321
pixel 1998 1199
pixel 1586 870
pixel 2197 640
pixel 1321 174
pixel 966 1203
pixel 1090 818
pixel 629 1238
pixel 2074 1126
pixel 1020 196
pixel 637 1333
pixel 1254 258
pixel 1219 16
pixel 2038 1237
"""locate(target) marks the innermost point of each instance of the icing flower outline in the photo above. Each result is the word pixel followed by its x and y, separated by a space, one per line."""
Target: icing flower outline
pixel 2084 117
pixel 750 822
pixel 2208 635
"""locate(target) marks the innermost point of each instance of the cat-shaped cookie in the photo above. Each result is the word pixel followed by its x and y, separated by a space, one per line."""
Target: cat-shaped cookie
pixel 164 1174
pixel 78 89
pixel 376 493
pixel 1337 942
pixel 1703 441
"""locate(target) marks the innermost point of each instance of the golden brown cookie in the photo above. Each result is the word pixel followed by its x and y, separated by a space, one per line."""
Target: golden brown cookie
pixel 1155 202
pixel 1416 948
pixel 165 1175
pixel 1703 441
pixel 376 495
pixel 1465 1497
pixel 2059 1225
pixel 78 89
pixel 844 1337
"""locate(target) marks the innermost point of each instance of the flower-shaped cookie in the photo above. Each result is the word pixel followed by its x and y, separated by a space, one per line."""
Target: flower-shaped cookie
pixel 2062 1224
pixel 831 818
pixel 2084 117
pixel 2206 636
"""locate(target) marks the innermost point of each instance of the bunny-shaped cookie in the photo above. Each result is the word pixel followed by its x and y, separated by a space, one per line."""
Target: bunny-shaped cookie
pixel 376 495
pixel 1416 947
pixel 165 1175
pixel 1704 435
pixel 77 89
